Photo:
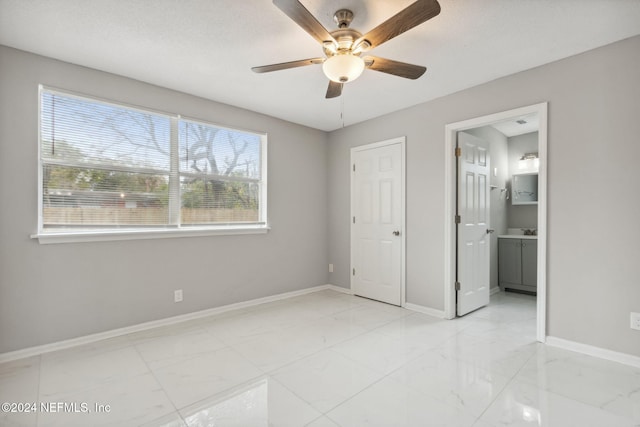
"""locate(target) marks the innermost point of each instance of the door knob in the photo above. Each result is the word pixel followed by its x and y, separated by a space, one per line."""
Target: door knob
pixel 396 233
pixel 490 230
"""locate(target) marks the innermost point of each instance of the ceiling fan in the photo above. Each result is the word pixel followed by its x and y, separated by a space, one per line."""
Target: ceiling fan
pixel 343 47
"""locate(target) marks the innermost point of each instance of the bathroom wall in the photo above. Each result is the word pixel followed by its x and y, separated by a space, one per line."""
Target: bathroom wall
pixel 521 216
pixel 499 162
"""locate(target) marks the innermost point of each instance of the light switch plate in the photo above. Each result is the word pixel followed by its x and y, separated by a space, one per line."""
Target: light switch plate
pixel 635 321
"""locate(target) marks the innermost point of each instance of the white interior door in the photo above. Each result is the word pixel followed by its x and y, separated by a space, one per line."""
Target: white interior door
pixel 377 239
pixel 474 226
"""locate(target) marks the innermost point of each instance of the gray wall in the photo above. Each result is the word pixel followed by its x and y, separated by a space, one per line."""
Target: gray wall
pixel 521 216
pixel 593 203
pixel 592 275
pixel 499 160
pixel 55 292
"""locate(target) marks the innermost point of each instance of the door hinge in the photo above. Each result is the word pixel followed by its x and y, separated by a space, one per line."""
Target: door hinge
pixel 458 151
pixel 457 219
pixel 354 271
pixel 457 286
pixel 354 167
pixel 354 219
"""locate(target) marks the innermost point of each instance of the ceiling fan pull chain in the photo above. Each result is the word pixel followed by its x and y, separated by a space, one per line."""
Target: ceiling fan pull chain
pixel 342 110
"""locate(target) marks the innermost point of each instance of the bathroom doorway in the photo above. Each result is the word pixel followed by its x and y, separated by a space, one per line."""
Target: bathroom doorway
pixel 514 211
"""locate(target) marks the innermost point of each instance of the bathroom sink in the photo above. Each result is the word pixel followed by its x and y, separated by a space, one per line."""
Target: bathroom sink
pixel 519 233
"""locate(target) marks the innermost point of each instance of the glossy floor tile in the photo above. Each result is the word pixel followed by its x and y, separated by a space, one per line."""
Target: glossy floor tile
pixel 326 359
pixel 261 402
pixel 326 379
pixel 391 403
pixel 463 385
pixel 522 404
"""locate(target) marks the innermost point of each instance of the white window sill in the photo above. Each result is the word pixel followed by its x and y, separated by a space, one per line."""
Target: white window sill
pixel 111 235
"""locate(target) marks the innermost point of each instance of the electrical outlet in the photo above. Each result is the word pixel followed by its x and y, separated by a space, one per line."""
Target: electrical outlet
pixel 330 268
pixel 177 295
pixel 635 321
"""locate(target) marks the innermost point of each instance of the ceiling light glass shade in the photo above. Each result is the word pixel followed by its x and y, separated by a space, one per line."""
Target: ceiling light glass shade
pixel 343 68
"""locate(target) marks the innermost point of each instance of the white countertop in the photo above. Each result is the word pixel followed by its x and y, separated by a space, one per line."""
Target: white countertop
pixel 516 236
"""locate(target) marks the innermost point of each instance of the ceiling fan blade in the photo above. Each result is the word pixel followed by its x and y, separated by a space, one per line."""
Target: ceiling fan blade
pixel 397 68
pixel 285 65
pixel 334 90
pixel 296 11
pixel 413 15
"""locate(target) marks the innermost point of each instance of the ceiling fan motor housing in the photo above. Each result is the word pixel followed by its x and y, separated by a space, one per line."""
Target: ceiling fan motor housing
pixel 345 39
pixel 343 18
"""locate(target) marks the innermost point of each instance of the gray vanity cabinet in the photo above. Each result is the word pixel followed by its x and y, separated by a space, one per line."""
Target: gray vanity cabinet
pixel 509 261
pixel 518 264
pixel 530 263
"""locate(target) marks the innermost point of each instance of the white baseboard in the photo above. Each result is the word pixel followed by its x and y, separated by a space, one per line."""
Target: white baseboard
pixel 494 291
pixel 87 339
pixel 409 306
pixel 340 289
pixel 424 310
pixel 602 353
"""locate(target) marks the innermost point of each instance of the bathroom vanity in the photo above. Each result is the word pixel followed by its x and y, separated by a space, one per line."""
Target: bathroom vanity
pixel 518 262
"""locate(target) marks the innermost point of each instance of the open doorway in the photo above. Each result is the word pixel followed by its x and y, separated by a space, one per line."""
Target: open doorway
pixel 535 115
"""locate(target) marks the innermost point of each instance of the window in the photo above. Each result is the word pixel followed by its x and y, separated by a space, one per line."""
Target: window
pixel 108 169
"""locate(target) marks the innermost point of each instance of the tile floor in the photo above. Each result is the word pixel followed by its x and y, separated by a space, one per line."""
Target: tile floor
pixel 323 360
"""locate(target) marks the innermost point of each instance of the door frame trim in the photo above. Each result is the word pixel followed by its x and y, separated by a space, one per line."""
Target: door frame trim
pixel 403 206
pixel 451 130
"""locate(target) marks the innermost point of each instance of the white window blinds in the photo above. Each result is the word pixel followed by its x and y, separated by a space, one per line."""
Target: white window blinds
pixel 106 166
pixel 220 174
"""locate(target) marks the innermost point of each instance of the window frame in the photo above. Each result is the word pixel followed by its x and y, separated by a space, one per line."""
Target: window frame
pixel 174 228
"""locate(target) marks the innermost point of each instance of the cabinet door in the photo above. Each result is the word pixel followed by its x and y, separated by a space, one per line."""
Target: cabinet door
pixel 509 261
pixel 530 263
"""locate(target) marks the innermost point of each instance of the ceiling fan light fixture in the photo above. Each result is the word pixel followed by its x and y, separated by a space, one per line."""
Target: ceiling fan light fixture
pixel 343 68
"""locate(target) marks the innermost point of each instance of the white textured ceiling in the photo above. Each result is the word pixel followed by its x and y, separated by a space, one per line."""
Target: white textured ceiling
pixel 207 47
pixel 519 125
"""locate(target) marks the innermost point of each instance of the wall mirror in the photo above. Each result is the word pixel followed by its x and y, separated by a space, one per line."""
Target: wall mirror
pixel 524 189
